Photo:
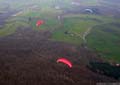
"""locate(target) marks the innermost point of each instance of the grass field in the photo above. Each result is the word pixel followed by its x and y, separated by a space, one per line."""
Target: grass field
pixel 106 40
pixel 11 27
pixel 77 25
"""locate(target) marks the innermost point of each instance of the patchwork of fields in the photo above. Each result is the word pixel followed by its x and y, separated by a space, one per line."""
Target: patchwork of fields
pixel 103 35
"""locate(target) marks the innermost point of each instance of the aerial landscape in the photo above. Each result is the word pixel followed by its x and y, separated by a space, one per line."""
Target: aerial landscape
pixel 59 42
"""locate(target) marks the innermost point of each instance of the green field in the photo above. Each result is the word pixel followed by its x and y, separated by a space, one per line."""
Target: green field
pixel 105 39
pixel 11 27
pixel 76 26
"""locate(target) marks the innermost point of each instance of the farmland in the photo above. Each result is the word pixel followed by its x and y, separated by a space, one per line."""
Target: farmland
pixel 70 28
pixel 86 32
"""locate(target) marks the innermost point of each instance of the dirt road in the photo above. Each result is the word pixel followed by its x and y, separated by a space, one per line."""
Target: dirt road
pixel 86 34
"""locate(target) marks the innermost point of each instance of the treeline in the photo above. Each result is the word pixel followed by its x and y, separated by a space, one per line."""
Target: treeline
pixel 105 69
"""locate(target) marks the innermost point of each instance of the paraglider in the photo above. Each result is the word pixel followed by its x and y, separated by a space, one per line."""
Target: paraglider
pixel 65 61
pixel 89 10
pixel 39 23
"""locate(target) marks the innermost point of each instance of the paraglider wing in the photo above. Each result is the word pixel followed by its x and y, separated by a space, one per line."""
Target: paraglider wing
pixel 39 22
pixel 89 10
pixel 65 61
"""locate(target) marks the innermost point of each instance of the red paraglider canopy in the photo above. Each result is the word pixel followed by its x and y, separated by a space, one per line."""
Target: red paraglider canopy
pixel 65 61
pixel 39 22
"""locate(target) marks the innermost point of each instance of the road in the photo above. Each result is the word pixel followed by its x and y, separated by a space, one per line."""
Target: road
pixel 86 34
